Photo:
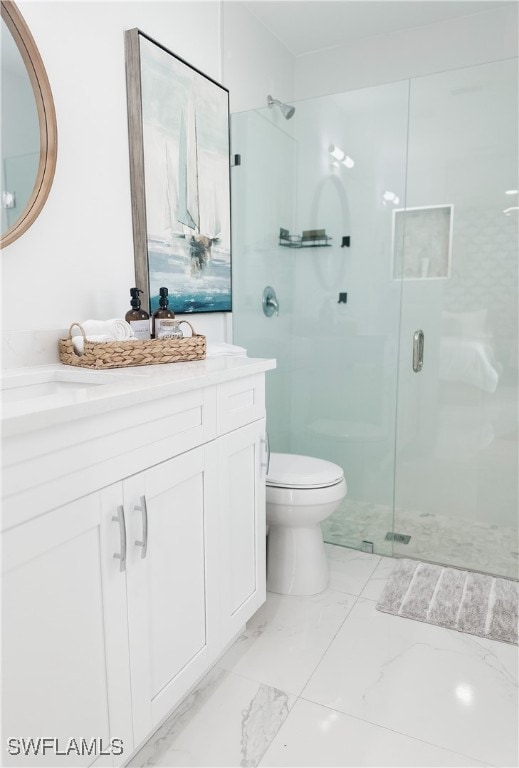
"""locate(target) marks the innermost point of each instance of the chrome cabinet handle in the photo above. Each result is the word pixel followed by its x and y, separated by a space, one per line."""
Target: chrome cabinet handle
pixel 144 543
pixel 418 345
pixel 266 442
pixel 119 518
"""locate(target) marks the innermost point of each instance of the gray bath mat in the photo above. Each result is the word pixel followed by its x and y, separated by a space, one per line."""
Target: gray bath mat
pixel 463 600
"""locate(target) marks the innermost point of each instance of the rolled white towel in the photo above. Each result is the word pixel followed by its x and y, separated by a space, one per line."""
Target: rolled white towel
pixel 78 342
pixel 116 329
pixel 102 330
pixel 222 349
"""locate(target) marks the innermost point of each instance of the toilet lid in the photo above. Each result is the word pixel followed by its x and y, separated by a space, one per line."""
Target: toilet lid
pixel 287 470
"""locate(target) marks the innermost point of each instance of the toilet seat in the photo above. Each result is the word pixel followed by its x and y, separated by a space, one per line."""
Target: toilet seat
pixel 306 496
pixel 302 472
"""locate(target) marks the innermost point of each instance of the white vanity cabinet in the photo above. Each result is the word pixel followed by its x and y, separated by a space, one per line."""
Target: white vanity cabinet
pixel 172 581
pixel 116 603
pixel 64 640
pixel 241 470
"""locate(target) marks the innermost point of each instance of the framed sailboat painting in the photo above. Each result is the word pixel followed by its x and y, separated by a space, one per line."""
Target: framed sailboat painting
pixel 178 123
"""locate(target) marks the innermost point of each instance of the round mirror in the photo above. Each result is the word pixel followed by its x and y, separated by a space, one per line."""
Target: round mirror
pixel 29 132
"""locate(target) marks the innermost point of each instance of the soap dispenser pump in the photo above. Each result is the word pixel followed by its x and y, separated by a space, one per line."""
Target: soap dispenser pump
pixel 139 319
pixel 160 314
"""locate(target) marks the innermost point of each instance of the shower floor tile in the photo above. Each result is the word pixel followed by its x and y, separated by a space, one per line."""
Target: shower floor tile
pixel 434 537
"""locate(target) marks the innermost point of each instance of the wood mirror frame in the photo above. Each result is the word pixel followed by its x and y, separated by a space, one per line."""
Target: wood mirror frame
pixel 46 117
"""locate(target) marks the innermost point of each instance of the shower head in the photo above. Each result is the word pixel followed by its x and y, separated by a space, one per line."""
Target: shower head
pixel 286 109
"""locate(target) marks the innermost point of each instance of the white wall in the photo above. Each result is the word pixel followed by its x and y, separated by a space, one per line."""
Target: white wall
pixel 255 63
pixel 76 261
pixel 461 42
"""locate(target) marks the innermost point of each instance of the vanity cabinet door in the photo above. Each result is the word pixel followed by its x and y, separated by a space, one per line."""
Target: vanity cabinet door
pixel 65 664
pixel 242 470
pixel 172 612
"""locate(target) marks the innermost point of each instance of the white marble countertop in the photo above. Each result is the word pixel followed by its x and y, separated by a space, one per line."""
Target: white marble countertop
pixel 124 387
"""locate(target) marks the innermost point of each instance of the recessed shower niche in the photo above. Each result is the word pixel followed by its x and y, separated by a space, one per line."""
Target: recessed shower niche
pixel 422 239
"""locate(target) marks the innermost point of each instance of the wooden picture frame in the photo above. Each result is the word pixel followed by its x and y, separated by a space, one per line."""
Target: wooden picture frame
pixel 178 125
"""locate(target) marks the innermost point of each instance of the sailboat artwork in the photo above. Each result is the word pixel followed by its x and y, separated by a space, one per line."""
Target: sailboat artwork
pixel 185 118
pixel 188 201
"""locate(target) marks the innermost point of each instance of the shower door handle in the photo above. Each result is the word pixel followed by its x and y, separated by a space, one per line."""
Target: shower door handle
pixel 418 345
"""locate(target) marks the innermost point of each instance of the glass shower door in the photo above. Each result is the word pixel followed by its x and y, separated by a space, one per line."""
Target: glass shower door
pixel 455 251
pixel 263 194
pixel 335 338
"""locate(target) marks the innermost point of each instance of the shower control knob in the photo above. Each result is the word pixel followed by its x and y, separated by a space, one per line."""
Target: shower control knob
pixel 270 302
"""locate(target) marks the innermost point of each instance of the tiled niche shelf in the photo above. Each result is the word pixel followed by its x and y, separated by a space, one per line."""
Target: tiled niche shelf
pixel 422 242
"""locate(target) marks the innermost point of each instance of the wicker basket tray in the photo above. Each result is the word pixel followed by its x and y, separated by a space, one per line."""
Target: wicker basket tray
pixel 120 354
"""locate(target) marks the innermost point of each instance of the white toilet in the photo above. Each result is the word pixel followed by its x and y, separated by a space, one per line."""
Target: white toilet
pixel 301 493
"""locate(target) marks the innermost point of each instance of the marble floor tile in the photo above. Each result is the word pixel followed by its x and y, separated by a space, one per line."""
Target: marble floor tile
pixel 350 569
pixel 314 735
pixel 381 690
pixel 285 640
pixel 377 582
pixel 227 720
pixel 443 687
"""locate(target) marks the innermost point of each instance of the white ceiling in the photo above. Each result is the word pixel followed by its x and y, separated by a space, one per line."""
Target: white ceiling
pixel 311 25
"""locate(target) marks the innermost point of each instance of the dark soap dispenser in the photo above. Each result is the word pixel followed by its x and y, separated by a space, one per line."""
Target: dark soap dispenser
pixel 162 313
pixel 139 319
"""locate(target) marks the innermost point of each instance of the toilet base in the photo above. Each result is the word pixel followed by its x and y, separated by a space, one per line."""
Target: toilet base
pixel 296 560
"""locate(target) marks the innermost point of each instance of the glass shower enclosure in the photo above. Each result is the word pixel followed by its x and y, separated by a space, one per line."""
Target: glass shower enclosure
pixel 385 219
